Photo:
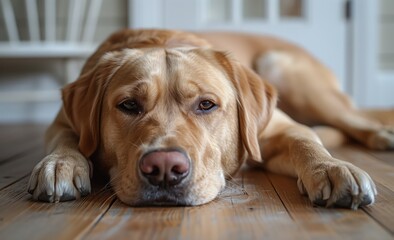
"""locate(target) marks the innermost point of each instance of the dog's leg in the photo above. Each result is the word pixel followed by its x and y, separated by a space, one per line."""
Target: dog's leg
pixel 64 174
pixel 367 131
pixel 309 93
pixel 295 150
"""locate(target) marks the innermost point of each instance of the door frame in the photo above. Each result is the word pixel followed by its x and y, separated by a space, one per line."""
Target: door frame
pixel 370 86
pixel 364 49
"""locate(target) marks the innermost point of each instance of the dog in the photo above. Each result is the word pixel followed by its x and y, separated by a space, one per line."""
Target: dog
pixel 169 115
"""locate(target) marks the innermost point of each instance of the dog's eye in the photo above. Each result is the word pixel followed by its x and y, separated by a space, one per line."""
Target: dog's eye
pixel 206 106
pixel 130 107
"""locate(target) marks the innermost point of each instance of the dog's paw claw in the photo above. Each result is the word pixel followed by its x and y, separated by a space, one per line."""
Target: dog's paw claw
pixel 339 184
pixel 67 197
pixel 345 202
pixel 60 178
pixel 43 196
pixel 301 187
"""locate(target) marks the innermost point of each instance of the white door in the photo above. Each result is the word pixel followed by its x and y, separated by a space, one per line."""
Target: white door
pixel 317 25
pixel 373 53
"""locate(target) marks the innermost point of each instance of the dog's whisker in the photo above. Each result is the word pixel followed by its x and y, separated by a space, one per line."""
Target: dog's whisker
pixel 231 180
pixel 107 199
pixel 234 184
pixel 133 144
pixel 111 181
pixel 103 189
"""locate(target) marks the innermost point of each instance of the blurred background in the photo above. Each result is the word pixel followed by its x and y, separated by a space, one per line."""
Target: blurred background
pixel 43 43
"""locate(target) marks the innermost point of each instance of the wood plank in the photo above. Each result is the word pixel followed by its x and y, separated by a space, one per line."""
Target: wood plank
pixel 16 140
pixel 19 148
pixel 323 223
pixel 383 209
pixel 386 157
pixel 22 218
pixel 19 167
pixel 257 213
pixel 138 223
pixel 378 170
pixel 248 208
pixel 8 131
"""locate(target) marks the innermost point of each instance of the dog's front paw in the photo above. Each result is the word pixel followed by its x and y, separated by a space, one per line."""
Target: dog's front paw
pixel 337 183
pixel 60 177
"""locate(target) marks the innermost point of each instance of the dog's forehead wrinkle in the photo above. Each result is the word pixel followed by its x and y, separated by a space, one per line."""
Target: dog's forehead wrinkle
pixel 122 57
pixel 150 61
pixel 193 77
pixel 184 68
pixel 141 78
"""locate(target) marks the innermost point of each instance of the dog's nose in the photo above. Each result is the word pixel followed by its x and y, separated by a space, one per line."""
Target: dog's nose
pixel 165 168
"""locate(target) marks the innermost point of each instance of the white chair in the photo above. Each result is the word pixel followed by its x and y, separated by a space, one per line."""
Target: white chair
pixel 82 17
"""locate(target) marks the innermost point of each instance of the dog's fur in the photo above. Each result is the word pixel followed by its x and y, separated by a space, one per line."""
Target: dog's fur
pixel 165 76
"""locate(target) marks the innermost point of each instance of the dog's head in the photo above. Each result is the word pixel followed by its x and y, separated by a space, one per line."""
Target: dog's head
pixel 169 124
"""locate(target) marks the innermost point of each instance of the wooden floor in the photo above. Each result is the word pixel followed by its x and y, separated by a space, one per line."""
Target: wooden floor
pixel 256 205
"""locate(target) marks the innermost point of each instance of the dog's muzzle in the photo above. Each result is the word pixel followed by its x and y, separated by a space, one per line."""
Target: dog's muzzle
pixel 166 173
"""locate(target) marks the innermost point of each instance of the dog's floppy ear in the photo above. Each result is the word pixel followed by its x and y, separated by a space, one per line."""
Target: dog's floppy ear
pixel 83 98
pixel 256 103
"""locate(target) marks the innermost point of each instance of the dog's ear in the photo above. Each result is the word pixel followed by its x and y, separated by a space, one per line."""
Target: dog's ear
pixel 256 102
pixel 82 101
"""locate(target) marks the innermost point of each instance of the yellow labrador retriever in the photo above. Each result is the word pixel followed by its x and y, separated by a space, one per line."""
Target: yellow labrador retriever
pixel 169 116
